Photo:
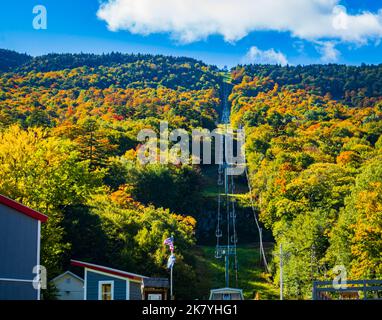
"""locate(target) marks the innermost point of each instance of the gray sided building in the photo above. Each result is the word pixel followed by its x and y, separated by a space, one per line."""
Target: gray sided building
pixel 20 234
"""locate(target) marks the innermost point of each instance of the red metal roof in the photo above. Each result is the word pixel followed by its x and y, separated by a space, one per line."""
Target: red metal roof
pixel 108 270
pixel 22 209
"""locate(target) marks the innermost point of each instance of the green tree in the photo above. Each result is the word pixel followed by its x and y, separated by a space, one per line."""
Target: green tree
pixel 45 173
pixel 356 239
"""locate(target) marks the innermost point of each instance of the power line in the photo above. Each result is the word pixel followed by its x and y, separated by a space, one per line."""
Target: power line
pixel 262 252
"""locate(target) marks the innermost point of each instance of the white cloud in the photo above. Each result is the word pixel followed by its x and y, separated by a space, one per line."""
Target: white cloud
pixel 328 51
pixel 193 20
pixel 257 56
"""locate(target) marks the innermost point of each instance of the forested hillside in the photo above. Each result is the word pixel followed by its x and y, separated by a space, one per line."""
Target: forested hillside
pixel 352 85
pixel 68 147
pixel 314 151
pixel 11 59
pixel 68 143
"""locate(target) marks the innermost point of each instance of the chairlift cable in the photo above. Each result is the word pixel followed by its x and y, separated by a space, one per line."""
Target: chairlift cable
pixel 262 253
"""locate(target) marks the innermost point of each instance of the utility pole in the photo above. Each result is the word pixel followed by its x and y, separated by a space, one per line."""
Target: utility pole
pixel 281 273
pixel 261 245
pixel 227 269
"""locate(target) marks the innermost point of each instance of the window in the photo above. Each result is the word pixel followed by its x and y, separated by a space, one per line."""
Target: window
pixel 154 296
pixel 106 290
pixel 226 296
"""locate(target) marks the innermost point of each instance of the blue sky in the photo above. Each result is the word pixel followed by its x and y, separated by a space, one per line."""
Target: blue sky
pixel 221 32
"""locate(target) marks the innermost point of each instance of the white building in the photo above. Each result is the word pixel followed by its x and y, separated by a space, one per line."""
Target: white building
pixel 69 286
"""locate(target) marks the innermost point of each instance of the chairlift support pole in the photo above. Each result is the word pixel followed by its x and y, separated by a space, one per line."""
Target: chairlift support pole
pixel 228 249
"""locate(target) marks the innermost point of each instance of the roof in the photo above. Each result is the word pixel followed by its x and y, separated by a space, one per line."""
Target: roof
pixel 68 273
pixel 227 290
pixel 156 283
pixel 22 209
pixel 107 270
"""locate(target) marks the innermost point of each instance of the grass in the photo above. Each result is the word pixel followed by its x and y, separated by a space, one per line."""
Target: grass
pixel 251 276
pixel 211 188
